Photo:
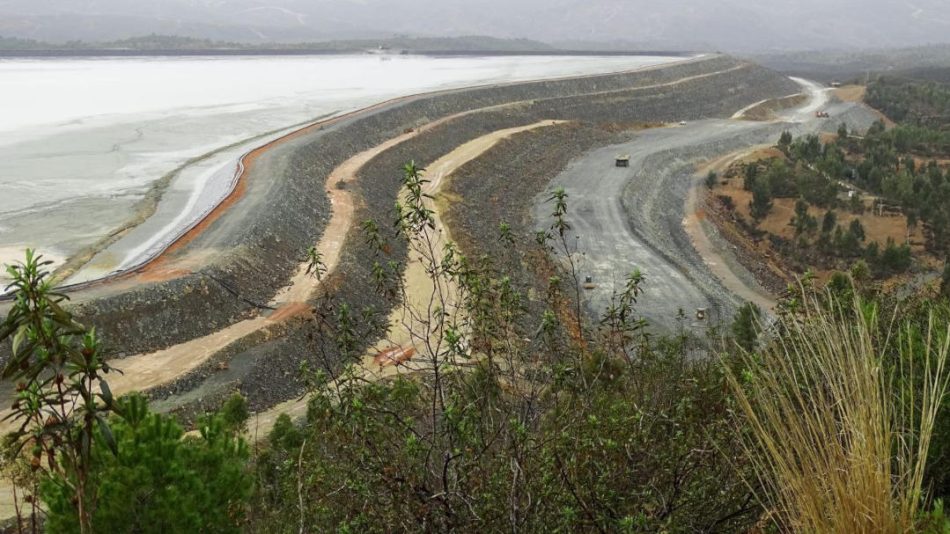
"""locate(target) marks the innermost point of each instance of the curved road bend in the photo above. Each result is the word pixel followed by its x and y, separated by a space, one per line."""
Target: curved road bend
pixel 404 326
pixel 627 218
pixel 145 371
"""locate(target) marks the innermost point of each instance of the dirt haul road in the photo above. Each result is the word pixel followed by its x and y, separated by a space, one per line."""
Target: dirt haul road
pixel 626 218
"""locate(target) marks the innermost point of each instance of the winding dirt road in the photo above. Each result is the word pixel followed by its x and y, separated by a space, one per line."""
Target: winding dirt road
pixel 624 218
pixel 405 325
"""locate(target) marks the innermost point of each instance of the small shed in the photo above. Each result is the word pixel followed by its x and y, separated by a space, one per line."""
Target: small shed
pixel 623 161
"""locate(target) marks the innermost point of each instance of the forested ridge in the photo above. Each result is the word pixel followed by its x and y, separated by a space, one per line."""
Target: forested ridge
pixel 840 183
pixel 911 102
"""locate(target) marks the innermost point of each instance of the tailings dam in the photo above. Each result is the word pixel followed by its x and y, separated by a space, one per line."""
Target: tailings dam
pixel 227 305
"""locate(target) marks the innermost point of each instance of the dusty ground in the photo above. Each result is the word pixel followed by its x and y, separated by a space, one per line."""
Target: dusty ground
pixel 851 93
pixel 626 218
pixel 878 228
pixel 715 249
pixel 769 110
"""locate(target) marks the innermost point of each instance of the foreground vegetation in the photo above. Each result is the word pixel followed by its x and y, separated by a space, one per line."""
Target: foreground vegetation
pixel 516 414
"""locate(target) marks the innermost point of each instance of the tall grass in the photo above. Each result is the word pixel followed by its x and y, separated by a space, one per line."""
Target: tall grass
pixel 840 414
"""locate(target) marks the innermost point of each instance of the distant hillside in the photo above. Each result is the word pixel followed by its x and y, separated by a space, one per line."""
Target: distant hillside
pixel 731 25
pixel 929 74
pixel 852 64
pixel 171 43
pixel 429 44
pixel 913 102
pixel 12 43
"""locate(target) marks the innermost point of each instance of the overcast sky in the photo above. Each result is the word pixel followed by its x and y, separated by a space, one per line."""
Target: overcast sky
pixel 732 25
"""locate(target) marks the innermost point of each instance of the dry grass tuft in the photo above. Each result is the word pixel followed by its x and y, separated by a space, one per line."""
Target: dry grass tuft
pixel 840 426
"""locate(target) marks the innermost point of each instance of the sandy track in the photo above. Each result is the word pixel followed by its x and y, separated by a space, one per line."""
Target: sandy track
pixel 404 326
pixel 734 277
pixel 146 371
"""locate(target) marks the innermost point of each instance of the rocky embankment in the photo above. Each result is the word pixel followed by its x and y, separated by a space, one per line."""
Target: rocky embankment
pixel 254 248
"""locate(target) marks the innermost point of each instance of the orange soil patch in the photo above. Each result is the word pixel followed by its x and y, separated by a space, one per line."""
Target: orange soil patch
pixel 160 272
pixel 294 309
pixel 768 110
pixel 851 93
pixel 394 356
pixel 877 228
pixel 718 260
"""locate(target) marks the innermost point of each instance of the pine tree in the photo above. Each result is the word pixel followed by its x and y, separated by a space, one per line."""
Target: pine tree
pixel 761 203
pixel 829 222
pixel 160 481
pixel 745 326
pixel 856 229
pixel 785 141
pixel 800 219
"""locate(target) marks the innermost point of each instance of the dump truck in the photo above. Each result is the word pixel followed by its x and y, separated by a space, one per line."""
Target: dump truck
pixel 622 161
